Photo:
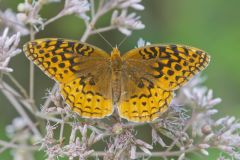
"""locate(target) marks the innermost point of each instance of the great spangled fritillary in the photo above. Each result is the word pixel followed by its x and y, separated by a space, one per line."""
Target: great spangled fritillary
pixel 140 83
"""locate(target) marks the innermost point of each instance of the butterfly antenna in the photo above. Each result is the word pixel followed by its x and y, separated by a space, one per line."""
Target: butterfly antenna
pixel 102 37
pixel 125 38
pixel 122 41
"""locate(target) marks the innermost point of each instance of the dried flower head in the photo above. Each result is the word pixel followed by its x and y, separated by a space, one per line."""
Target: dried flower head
pixel 78 7
pixel 226 136
pixel 125 22
pixel 8 49
pixel 10 19
pixel 135 4
pixel 29 13
pixel 21 135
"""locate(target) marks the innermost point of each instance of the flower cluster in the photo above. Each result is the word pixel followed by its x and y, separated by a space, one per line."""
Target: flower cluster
pixel 76 147
pixel 8 49
pixel 10 19
pixel 126 142
pixel 29 13
pixel 78 7
pixel 222 133
pixel 21 135
pixel 126 22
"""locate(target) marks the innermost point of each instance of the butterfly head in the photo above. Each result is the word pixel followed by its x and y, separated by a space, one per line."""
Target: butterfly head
pixel 115 52
pixel 116 58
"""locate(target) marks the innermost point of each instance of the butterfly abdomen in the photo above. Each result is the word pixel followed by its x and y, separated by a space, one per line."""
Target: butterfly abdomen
pixel 116 66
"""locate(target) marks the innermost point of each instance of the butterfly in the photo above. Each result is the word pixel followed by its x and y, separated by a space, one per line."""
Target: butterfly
pixel 140 84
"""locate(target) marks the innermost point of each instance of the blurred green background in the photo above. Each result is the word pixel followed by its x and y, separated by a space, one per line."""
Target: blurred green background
pixel 213 26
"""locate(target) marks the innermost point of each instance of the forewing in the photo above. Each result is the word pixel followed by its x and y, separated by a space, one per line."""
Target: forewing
pixel 63 60
pixel 78 67
pixel 168 66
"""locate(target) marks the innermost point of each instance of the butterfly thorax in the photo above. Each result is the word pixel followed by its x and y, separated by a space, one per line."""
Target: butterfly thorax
pixel 116 66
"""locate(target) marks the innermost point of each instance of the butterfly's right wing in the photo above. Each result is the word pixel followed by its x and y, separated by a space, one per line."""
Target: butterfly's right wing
pixel 78 67
pixel 151 74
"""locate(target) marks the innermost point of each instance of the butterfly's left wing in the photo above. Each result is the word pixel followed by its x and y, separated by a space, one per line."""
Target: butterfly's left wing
pixel 152 73
pixel 82 70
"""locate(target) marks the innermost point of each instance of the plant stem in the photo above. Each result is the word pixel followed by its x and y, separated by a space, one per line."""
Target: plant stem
pixel 92 8
pixel 59 15
pixel 31 78
pixel 104 29
pixel 7 145
pixel 18 85
pixel 154 154
pixel 62 128
pixel 91 25
pixel 21 111
pixel 48 100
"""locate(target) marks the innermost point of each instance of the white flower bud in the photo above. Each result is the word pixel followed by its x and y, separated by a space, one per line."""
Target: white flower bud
pixel 145 150
pixel 22 17
pixel 231 120
pixel 209 137
pixel 142 143
pixel 205 152
pixel 211 112
pixel 214 101
pixel 206 129
pixel 137 6
pixel 24 7
pixel 19 123
pixel 182 156
pixel 21 7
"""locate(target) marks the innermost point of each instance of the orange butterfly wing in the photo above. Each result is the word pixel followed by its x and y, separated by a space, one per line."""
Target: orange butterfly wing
pixel 152 73
pixel 78 68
